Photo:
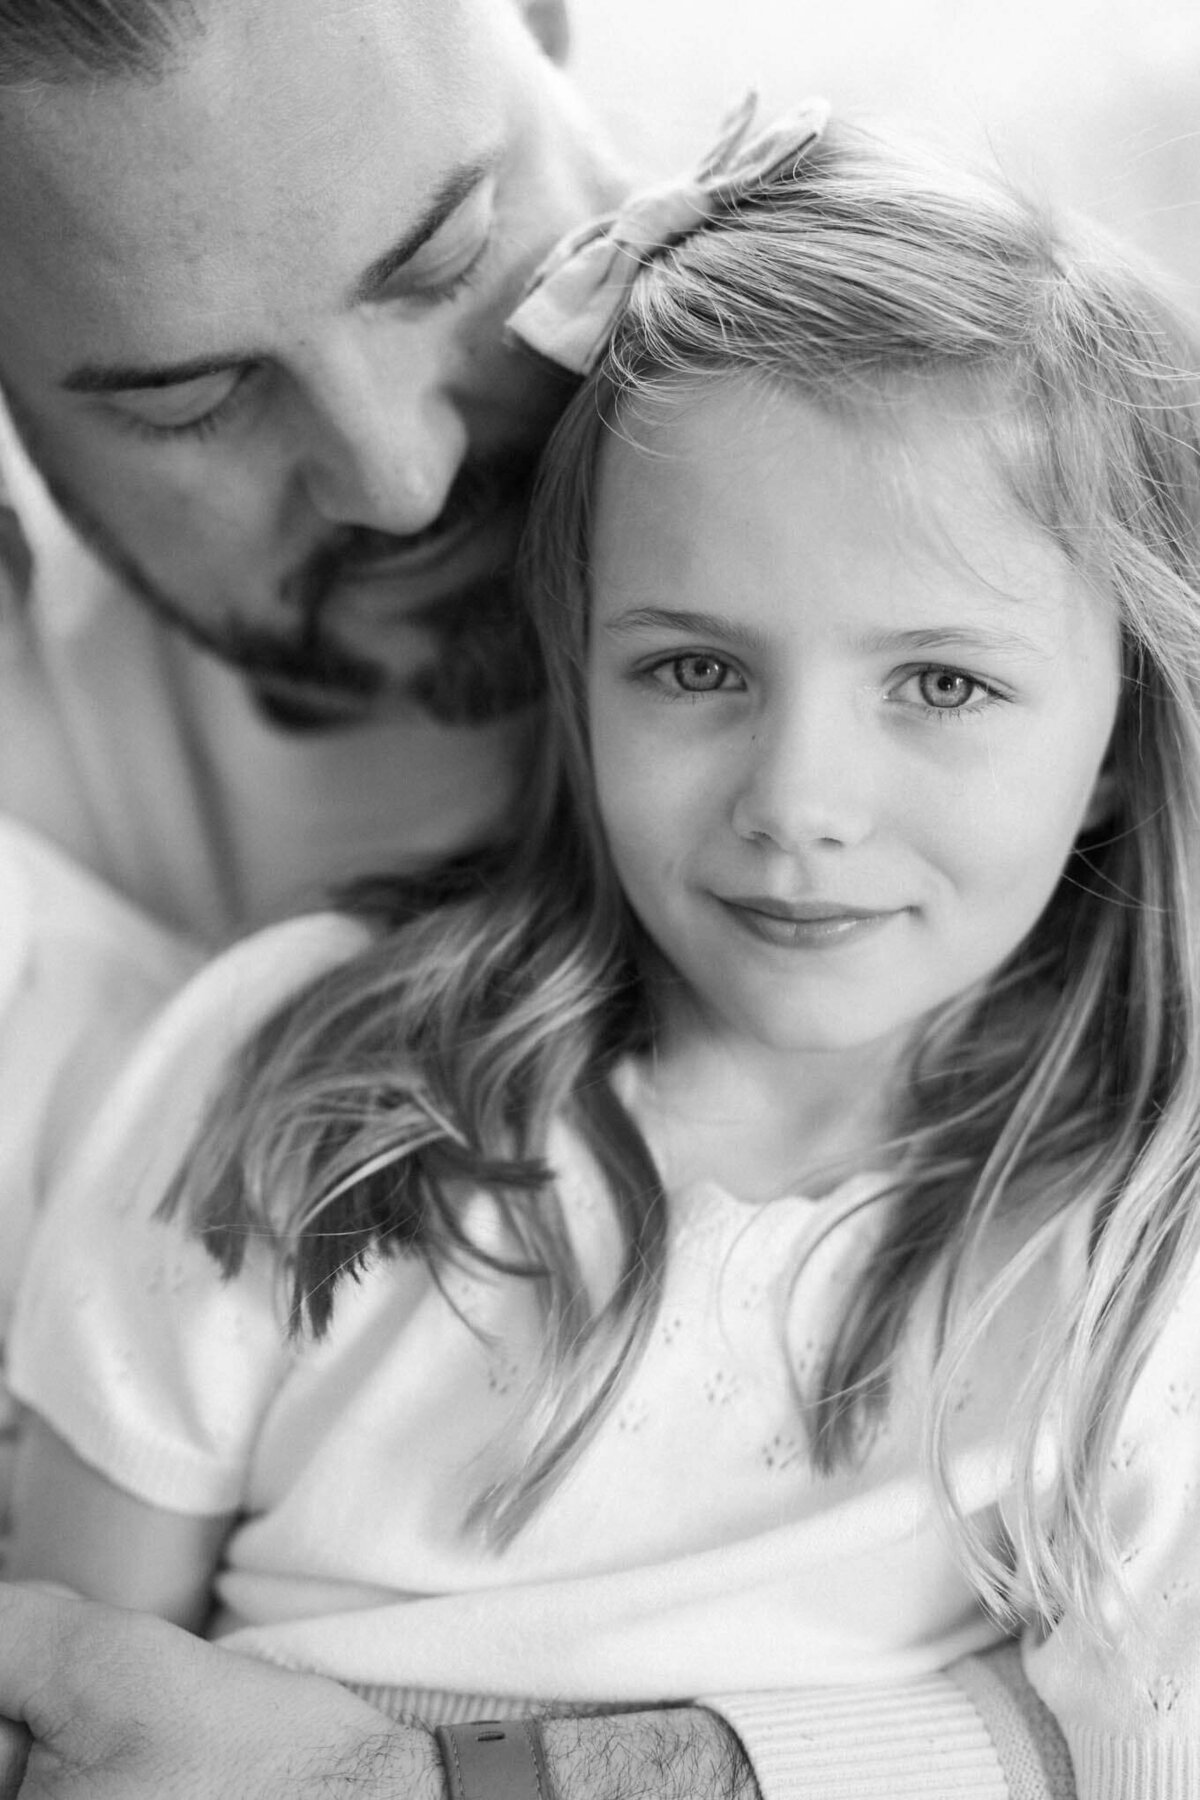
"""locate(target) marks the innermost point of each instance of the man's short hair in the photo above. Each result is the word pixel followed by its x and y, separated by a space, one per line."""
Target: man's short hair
pixel 63 40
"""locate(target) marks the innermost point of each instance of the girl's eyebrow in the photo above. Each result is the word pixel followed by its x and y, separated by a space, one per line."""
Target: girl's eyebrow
pixel 977 638
pixel 953 637
pixel 698 624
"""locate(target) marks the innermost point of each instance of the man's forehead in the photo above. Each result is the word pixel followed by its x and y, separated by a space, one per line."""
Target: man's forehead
pixel 287 127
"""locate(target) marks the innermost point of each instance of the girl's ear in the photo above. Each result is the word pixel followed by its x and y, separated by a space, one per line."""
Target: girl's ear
pixel 1103 804
pixel 547 19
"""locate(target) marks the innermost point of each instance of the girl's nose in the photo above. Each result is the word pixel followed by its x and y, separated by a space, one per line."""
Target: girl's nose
pixel 808 780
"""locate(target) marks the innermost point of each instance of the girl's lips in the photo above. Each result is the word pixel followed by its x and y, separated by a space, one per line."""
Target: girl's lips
pixel 809 924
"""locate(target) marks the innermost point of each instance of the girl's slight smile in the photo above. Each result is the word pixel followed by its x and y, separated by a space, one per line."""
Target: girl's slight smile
pixel 839 781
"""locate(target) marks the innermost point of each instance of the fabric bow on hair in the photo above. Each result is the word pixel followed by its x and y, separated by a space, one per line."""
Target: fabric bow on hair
pixel 576 297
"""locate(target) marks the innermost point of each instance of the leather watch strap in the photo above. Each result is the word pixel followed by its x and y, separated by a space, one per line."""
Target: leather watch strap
pixel 495 1759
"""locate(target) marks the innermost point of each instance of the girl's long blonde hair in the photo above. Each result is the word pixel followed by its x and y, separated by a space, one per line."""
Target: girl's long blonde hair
pixel 503 988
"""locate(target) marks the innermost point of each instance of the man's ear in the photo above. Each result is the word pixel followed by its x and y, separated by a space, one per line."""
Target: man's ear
pixel 547 19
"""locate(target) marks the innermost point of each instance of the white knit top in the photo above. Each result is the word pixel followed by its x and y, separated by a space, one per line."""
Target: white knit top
pixel 691 1552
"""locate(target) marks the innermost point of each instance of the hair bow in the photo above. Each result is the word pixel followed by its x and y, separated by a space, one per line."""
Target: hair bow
pixel 575 298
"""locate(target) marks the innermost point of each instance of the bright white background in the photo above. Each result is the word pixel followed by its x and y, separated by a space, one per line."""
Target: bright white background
pixel 1095 102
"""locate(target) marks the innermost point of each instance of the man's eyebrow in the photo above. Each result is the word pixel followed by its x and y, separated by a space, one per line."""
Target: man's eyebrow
pixel 117 378
pixel 457 188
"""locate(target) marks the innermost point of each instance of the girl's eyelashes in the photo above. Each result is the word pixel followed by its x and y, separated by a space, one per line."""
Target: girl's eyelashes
pixel 949 693
pixel 696 672
pixel 935 690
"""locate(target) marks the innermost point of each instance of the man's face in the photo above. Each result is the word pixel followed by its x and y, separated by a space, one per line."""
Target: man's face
pixel 251 323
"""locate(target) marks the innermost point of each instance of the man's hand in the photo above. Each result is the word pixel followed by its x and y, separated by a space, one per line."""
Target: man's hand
pixel 124 1707
pixel 120 1706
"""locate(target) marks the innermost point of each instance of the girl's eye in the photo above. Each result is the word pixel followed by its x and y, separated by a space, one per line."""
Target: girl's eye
pixel 945 690
pixel 698 673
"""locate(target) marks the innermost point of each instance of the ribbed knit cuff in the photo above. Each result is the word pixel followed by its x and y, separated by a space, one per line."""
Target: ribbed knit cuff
pixel 1032 1750
pixel 923 1739
pixel 1168 1770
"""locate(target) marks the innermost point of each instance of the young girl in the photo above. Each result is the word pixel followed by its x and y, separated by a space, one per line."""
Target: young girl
pixel 741 1236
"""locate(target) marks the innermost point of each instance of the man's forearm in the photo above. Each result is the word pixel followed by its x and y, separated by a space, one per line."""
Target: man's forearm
pixel 680 1754
pixel 683 1753
pixel 121 1706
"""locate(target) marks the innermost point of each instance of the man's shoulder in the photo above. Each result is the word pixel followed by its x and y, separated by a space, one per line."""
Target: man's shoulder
pixel 51 905
pixel 182 1057
pixel 227 1000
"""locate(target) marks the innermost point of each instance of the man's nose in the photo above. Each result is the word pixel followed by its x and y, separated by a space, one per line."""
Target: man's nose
pixel 809 775
pixel 379 450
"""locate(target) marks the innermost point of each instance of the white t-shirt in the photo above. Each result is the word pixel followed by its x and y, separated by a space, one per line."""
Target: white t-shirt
pixel 81 971
pixel 146 760
pixel 692 1551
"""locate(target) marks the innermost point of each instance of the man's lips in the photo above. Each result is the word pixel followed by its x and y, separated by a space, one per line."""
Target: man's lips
pixel 382 556
pixel 805 924
pixel 484 514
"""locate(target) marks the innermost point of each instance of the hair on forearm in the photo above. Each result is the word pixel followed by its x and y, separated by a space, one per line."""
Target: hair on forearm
pixel 675 1753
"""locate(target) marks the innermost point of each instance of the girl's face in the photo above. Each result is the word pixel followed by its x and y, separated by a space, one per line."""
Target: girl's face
pixel 848 710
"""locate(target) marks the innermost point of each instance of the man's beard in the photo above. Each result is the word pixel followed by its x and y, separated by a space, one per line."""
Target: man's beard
pixel 483 660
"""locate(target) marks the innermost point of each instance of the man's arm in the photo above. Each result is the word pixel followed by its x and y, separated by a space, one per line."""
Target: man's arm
pixel 121 1706
pixel 124 1707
